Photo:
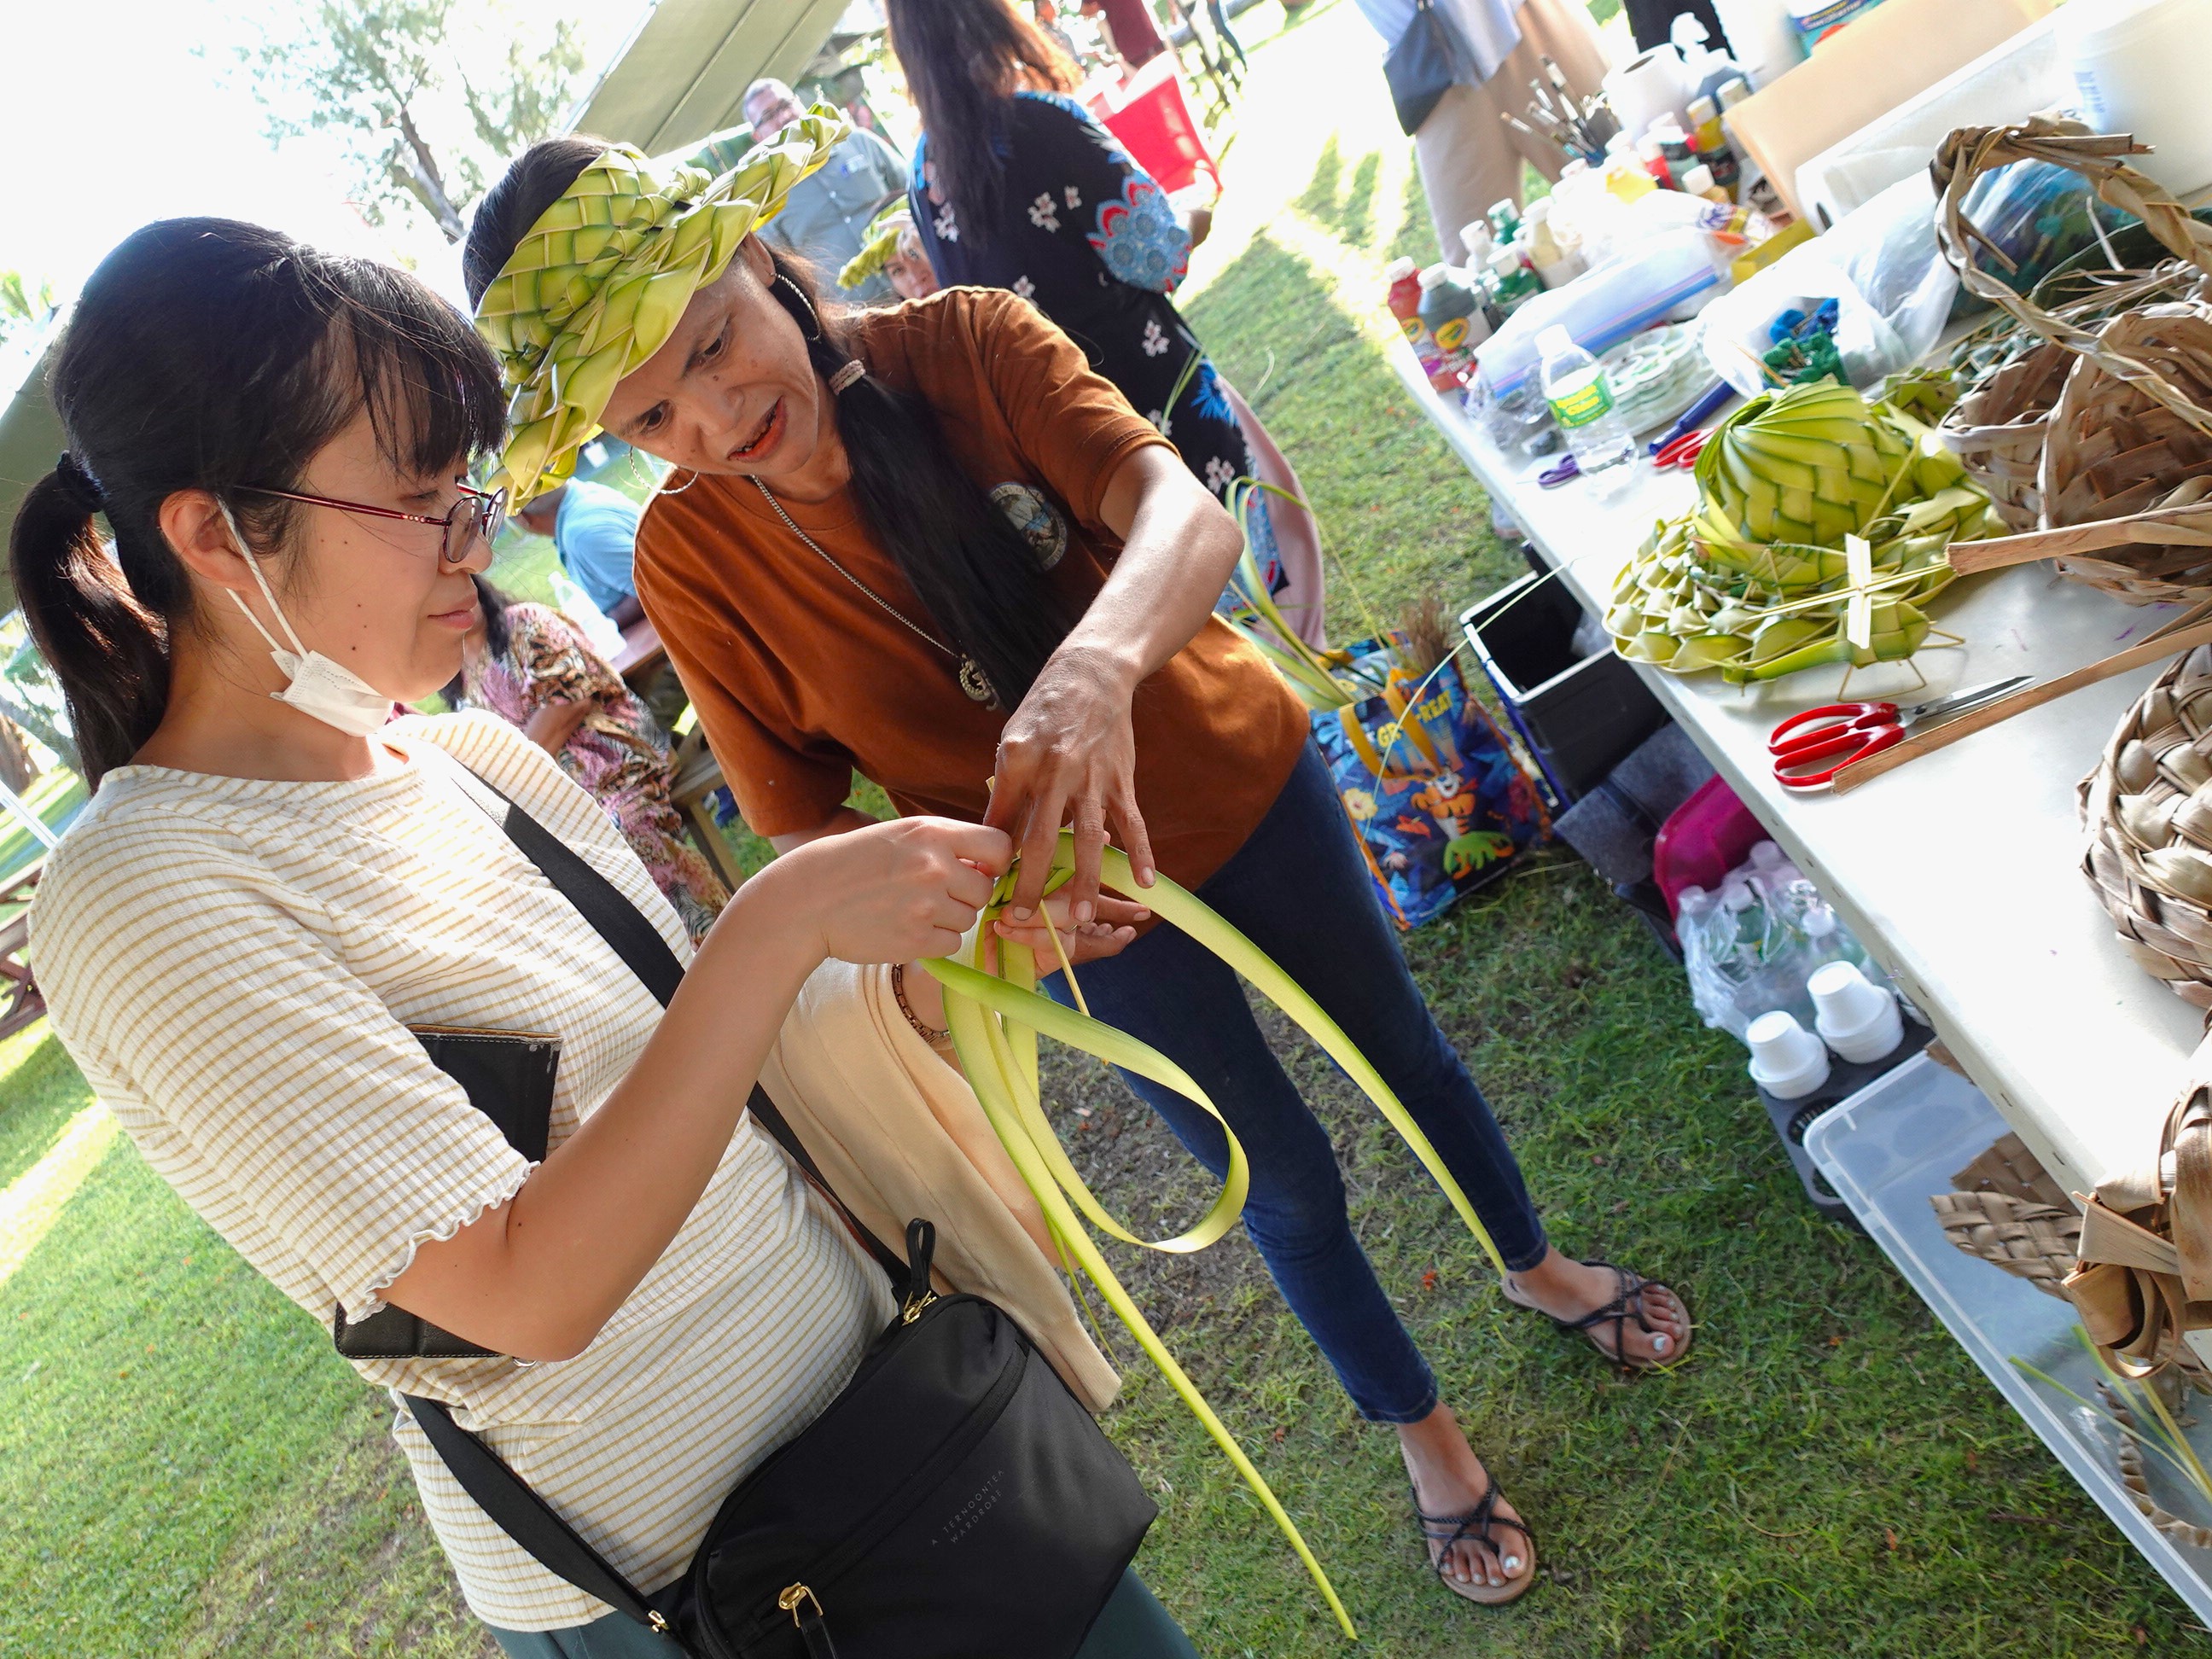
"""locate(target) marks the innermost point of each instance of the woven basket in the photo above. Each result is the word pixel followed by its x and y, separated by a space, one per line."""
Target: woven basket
pixel 1997 429
pixel 2132 422
pixel 2147 808
pixel 2030 1241
pixel 2116 452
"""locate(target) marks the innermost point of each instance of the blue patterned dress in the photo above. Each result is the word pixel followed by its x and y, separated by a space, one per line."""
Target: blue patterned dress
pixel 1089 239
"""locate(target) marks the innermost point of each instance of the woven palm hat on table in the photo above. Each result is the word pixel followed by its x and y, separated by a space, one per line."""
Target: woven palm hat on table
pixel 599 282
pixel 2128 435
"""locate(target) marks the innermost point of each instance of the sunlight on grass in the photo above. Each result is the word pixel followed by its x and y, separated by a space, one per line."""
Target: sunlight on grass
pixel 32 1203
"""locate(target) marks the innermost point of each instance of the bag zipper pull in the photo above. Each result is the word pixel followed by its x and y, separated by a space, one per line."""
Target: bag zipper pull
pixel 811 1629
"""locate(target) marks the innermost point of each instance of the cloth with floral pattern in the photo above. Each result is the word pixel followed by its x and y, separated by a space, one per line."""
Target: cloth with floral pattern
pixel 619 755
pixel 1089 239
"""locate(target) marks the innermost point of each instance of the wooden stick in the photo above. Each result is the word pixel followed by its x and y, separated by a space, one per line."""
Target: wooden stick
pixel 2192 523
pixel 2179 636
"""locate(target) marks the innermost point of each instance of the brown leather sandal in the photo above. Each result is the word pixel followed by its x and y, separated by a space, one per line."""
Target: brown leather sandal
pixel 1627 1304
pixel 1477 1524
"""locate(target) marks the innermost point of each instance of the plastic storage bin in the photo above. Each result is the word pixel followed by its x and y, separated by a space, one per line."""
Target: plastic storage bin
pixel 1887 1150
pixel 1580 715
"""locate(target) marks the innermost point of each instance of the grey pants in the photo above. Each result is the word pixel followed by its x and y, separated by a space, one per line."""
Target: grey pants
pixel 1131 1626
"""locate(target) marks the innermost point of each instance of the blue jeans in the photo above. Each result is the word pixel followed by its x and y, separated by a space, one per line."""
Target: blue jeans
pixel 1299 889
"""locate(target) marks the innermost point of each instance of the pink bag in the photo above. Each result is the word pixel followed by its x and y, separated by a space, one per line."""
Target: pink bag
pixel 1703 839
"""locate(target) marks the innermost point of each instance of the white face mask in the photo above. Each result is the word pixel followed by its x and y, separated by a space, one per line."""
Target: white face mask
pixel 316 686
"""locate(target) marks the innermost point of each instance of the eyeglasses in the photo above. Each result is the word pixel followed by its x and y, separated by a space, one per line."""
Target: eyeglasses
pixel 474 514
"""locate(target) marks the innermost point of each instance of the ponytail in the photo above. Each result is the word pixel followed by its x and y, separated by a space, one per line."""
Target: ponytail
pixel 209 355
pixel 107 647
pixel 976 574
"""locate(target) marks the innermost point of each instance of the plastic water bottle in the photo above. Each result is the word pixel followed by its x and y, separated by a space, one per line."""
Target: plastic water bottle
pixel 1581 403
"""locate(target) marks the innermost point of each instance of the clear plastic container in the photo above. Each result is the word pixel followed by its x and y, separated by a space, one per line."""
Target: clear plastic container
pixel 1580 397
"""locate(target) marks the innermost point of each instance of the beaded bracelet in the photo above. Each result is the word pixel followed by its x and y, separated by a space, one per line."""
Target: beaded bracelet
pixel 898 990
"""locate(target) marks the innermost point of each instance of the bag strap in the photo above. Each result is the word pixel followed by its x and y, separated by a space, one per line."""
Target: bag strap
pixel 500 1493
pixel 646 953
pixel 525 1517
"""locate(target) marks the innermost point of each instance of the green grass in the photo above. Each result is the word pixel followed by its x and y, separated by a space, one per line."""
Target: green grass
pixel 184 1469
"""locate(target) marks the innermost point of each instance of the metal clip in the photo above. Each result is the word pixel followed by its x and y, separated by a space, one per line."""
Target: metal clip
pixel 659 1623
pixel 791 1597
pixel 914 1304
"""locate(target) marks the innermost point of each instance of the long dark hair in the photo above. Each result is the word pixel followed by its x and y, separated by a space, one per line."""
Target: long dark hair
pixel 963 59
pixel 975 572
pixel 205 353
pixel 498 634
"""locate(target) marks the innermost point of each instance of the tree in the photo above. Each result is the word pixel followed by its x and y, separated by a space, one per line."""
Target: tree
pixel 23 308
pixel 431 96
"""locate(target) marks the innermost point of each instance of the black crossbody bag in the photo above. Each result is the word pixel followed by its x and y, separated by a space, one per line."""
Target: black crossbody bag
pixel 954 1502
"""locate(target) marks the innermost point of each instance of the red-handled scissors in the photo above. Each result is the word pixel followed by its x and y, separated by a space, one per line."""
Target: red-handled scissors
pixel 1847 733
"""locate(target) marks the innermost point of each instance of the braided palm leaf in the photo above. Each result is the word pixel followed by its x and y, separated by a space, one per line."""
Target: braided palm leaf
pixel 883 240
pixel 599 282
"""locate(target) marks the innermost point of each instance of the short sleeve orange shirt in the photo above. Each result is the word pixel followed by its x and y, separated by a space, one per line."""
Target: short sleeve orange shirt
pixel 799 679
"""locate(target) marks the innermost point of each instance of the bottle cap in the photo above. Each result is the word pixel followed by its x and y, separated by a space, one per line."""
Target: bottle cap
pixel 1668 130
pixel 1554 341
pixel 1398 269
pixel 1697 179
pixel 1504 204
pixel 1734 91
pixel 1702 110
pixel 1503 262
pixel 1575 168
pixel 1434 276
pixel 1539 210
pixel 1765 855
pixel 1819 921
pixel 1619 143
pixel 1693 902
pixel 1651 148
pixel 1737 894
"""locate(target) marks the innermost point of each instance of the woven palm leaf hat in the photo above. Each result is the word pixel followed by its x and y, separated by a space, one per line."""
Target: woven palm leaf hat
pixel 599 282
pixel 882 242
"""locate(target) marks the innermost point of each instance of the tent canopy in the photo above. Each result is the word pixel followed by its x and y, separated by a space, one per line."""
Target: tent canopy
pixel 683 74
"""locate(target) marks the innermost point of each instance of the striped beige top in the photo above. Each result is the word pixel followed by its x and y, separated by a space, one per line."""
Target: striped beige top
pixel 234 963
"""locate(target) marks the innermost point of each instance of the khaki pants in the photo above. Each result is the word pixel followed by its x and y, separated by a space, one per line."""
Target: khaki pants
pixel 1469 157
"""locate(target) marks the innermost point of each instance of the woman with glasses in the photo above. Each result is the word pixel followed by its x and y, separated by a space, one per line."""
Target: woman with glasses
pixel 273 893
pixel 528 664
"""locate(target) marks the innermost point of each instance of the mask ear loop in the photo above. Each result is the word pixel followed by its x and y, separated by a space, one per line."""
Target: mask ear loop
pixel 298 650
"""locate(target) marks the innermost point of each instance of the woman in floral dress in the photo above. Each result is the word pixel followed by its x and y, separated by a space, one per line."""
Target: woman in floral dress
pixel 526 664
pixel 1015 186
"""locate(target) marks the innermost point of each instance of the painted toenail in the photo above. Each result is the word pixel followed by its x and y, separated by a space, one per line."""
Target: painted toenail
pixel 1660 1345
pixel 1512 1564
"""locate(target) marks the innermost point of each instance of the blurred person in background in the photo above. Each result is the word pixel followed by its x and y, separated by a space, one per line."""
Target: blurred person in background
pixel 1015 186
pixel 526 664
pixel 1469 157
pixel 825 219
pixel 594 531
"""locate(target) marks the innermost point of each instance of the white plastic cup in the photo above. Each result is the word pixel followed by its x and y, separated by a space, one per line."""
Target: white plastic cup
pixel 2138 67
pixel 1787 1061
pixel 1859 1020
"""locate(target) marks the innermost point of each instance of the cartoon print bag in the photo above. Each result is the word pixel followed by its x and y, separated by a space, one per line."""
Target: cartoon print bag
pixel 1439 810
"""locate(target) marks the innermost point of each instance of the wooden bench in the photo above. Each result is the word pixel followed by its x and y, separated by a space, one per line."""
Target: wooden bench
pixel 21 1000
pixel 698 775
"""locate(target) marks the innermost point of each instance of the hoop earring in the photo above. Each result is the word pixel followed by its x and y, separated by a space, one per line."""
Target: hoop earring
pixel 799 294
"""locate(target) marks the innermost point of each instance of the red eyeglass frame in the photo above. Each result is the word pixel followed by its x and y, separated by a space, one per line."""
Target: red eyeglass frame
pixel 491 521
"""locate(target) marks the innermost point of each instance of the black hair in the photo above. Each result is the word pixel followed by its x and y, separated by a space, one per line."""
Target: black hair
pixel 974 572
pixel 963 59
pixel 498 633
pixel 206 354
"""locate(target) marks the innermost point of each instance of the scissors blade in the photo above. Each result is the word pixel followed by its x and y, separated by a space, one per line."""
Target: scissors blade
pixel 1960 702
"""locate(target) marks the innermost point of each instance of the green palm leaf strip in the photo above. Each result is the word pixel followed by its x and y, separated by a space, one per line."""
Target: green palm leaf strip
pixel 996 1018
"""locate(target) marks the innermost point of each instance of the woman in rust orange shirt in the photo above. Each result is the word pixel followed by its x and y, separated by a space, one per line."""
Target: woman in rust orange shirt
pixel 927 543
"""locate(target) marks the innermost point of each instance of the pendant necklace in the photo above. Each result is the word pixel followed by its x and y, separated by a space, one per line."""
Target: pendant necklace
pixel 973 681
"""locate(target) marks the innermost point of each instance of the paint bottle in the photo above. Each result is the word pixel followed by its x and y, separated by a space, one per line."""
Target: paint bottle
pixel 1455 320
pixel 1512 283
pixel 1405 301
